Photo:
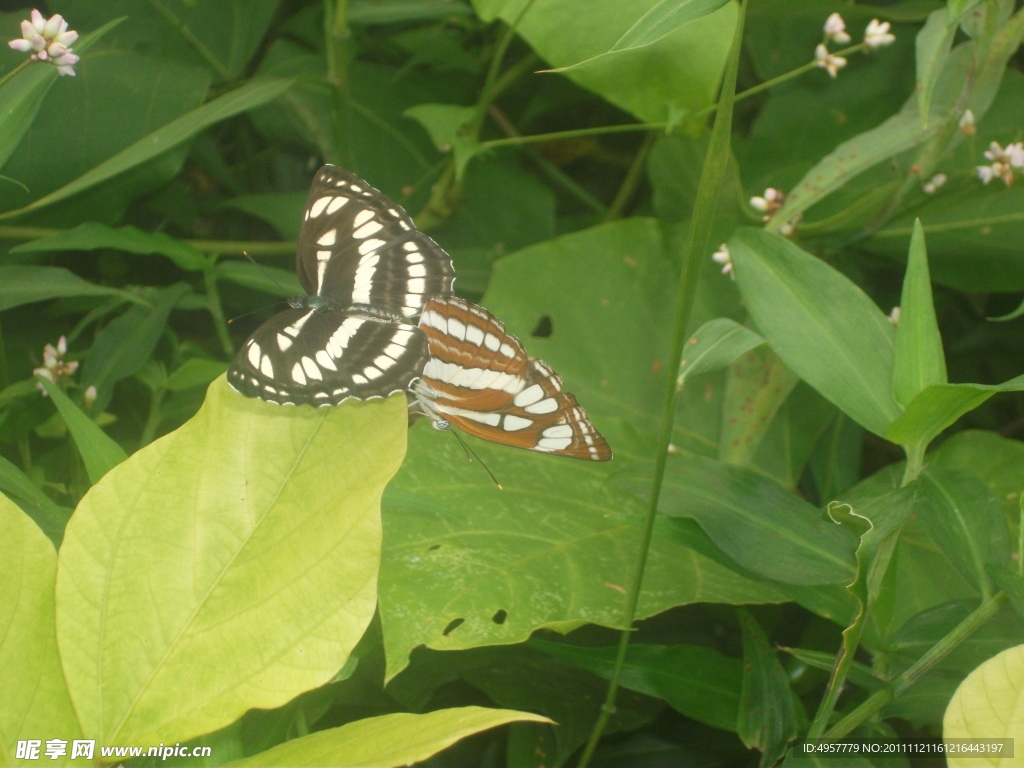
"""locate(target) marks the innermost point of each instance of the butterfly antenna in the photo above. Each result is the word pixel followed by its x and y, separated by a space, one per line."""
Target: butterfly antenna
pixel 239 317
pixel 265 273
pixel 471 454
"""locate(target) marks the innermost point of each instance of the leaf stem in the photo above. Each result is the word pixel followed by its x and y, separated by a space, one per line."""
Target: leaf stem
pixel 336 38
pixel 697 240
pixel 632 180
pixel 216 311
pixel 706 111
pixel 155 416
pixel 839 672
pixel 14 72
pixel 915 463
pixel 918 669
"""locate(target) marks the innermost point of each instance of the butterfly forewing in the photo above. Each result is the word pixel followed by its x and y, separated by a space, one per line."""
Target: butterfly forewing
pixel 480 379
pixel 323 357
pixel 357 246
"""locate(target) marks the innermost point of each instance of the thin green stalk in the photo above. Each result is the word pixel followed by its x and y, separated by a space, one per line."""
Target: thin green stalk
pixel 336 34
pixel 707 111
pixel 915 463
pixel 921 667
pixel 697 243
pixel 838 678
pixel 156 397
pixel 632 180
pixel 488 92
pixel 216 311
pixel 11 75
pixel 1020 537
pixel 26 455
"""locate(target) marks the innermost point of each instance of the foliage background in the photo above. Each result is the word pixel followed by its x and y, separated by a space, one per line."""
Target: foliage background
pixel 197 127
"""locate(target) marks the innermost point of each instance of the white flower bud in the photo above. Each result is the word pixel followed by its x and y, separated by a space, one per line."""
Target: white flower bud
pixel 877 34
pixel 835 29
pixel 967 126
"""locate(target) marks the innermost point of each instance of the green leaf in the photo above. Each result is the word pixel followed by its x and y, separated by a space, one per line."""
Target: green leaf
pixel 965 521
pixel 987 704
pixel 93 235
pixel 938 406
pixel 444 123
pixel 387 741
pixel 124 346
pixel 860 674
pixel 768 716
pixel 24 94
pixel 50 517
pixel 995 460
pixel 27 284
pixel 825 328
pixel 248 96
pixel 667 16
pixel 272 280
pixel 99 451
pixel 696 681
pixel 741 510
pixel 716 344
pixel 35 700
pixel 283 212
pixel 683 67
pixel 279 502
pixel 932 48
pixel 195 372
pixel 757 386
pixel 919 360
pixel 435 591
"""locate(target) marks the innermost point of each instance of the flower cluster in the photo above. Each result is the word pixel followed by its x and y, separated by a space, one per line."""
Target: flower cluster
pixel 931 186
pixel 768 204
pixel 48 40
pixel 721 256
pixel 876 35
pixel 54 367
pixel 1004 160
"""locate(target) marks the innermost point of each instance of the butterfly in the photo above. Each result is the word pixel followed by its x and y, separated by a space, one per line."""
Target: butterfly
pixel 480 379
pixel 367 272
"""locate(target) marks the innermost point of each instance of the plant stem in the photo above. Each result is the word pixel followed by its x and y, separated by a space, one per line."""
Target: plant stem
pixel 4 379
pixel 918 669
pixel 838 678
pixel 336 34
pixel 697 240
pixel 489 92
pixel 1020 537
pixel 154 418
pixel 632 180
pixel 13 73
pixel 706 111
pixel 915 463
pixel 216 311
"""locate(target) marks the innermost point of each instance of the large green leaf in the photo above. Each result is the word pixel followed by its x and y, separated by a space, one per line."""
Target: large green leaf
pixel 932 47
pixel 756 388
pixel 987 705
pixel 682 68
pixel 939 405
pixel 27 284
pixel 93 235
pixel 248 96
pixel 695 680
pixel 743 512
pixel 387 741
pixel 919 359
pixel 283 212
pixel 49 516
pixel 24 95
pixel 821 324
pixel 35 703
pixel 272 280
pixel 963 518
pixel 99 451
pixel 994 459
pixel 216 540
pixel 542 543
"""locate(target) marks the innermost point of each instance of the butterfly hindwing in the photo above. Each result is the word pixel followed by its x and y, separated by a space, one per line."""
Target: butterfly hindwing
pixel 480 379
pixel 324 357
pixel 357 246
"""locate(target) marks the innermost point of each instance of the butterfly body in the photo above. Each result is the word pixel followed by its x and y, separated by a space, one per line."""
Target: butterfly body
pixel 480 379
pixel 367 272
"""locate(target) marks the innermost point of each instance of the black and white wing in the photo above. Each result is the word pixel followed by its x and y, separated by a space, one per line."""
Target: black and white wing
pixel 323 357
pixel 357 246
